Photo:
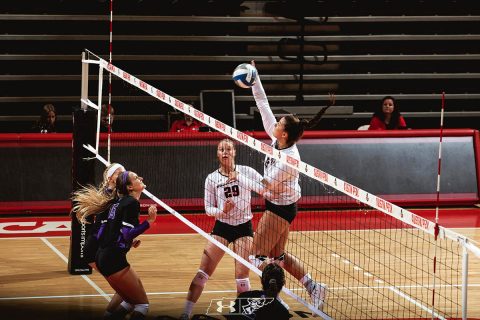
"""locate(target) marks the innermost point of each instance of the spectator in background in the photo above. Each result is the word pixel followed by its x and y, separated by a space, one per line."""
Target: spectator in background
pixel 48 120
pixel 104 121
pixel 185 124
pixel 387 117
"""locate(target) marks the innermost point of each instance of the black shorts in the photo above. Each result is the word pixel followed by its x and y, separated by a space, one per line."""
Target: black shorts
pixel 288 212
pixel 111 260
pixel 232 233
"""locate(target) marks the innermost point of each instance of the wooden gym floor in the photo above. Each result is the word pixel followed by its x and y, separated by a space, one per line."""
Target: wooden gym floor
pixel 35 284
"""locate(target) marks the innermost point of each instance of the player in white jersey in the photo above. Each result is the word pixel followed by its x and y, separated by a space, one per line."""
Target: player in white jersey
pixel 228 201
pixel 283 192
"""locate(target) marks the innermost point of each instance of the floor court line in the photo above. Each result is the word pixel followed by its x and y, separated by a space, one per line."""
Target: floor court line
pixel 87 279
pixel 208 292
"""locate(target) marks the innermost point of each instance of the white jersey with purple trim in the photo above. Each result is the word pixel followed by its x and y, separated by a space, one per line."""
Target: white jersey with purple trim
pixel 283 180
pixel 217 191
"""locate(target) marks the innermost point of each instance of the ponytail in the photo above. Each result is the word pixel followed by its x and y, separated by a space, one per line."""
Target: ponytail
pixel 89 200
pixel 272 290
pixel 315 120
pixel 295 127
pixel 273 279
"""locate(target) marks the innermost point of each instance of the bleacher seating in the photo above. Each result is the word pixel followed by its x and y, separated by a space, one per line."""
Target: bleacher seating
pixel 361 51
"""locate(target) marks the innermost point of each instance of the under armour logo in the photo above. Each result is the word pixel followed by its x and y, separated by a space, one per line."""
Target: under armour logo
pixel 221 306
pixel 228 306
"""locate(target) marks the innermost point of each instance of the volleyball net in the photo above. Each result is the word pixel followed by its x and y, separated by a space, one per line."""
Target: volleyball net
pixel 378 261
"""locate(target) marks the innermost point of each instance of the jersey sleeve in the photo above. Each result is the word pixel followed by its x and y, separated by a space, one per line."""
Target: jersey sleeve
pixel 210 198
pixel 251 180
pixel 263 106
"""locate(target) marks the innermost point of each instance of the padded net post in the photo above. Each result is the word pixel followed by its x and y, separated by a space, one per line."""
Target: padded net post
pixel 83 173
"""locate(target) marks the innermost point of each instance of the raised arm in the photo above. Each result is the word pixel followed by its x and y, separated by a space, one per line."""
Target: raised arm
pixel 263 106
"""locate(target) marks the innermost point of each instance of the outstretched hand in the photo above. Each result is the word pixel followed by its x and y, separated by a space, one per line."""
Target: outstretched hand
pixel 152 214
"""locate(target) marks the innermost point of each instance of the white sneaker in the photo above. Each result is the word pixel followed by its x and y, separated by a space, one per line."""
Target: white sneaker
pixel 318 295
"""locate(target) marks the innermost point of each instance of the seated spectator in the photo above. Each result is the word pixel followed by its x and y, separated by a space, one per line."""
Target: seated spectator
pixel 263 304
pixel 387 117
pixel 104 121
pixel 185 124
pixel 48 120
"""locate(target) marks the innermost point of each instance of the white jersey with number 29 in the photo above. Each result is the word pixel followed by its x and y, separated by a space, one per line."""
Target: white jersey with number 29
pixel 217 191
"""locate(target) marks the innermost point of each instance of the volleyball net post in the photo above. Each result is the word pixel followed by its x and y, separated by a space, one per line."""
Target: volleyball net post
pixel 376 258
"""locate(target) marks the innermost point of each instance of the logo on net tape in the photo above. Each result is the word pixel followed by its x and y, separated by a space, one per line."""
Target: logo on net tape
pixel 320 174
pixel 347 187
pixel 293 161
pixel 384 205
pixel 126 76
pixel 200 115
pixel 179 104
pixel 246 306
pixel 160 94
pixel 266 148
pixel 242 136
pixel 220 125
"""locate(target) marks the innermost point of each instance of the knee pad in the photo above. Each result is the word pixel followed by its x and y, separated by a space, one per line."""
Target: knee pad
pixel 257 260
pixel 200 278
pixel 243 285
pixel 141 308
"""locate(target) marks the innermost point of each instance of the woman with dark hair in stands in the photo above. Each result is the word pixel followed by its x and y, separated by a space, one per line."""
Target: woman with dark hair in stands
pixel 283 192
pixel 116 236
pixel 263 304
pixel 387 117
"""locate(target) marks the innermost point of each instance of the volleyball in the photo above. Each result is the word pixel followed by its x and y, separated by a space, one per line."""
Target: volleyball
pixel 244 75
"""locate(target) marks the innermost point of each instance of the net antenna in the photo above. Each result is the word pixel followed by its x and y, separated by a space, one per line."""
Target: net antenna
pixel 391 294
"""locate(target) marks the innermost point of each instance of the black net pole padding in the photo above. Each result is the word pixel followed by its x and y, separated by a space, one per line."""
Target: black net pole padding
pixel 83 173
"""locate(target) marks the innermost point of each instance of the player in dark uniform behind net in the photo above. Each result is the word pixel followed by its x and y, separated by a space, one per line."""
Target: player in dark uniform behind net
pixel 263 304
pixel 116 236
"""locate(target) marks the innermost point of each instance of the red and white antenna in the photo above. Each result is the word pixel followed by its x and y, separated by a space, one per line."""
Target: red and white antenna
pixel 110 83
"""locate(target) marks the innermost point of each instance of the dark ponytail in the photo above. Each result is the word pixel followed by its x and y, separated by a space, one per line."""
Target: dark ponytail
pixel 295 127
pixel 273 279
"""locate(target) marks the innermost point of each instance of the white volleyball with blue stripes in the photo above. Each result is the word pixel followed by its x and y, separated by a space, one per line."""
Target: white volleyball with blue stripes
pixel 244 75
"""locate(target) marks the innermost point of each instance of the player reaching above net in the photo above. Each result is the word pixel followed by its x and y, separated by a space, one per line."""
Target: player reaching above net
pixel 283 192
pixel 228 202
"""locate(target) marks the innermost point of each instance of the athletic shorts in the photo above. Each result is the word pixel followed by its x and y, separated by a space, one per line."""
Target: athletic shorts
pixel 111 260
pixel 232 233
pixel 287 212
